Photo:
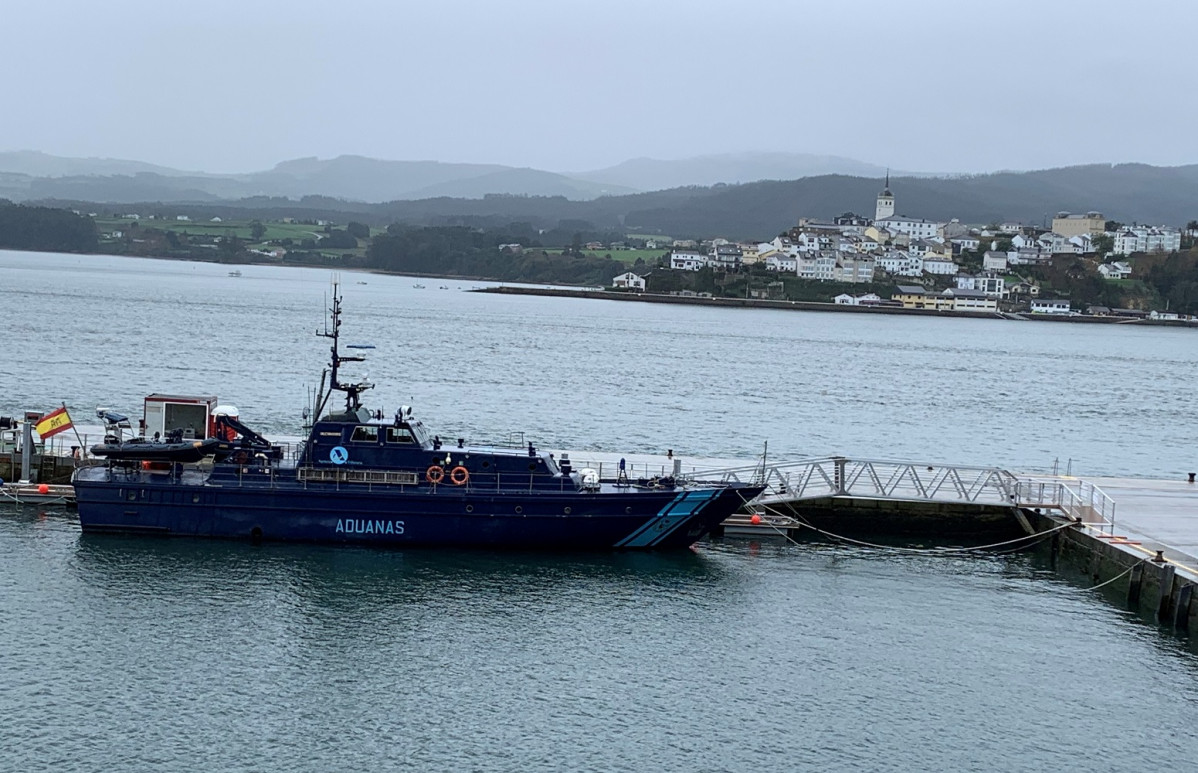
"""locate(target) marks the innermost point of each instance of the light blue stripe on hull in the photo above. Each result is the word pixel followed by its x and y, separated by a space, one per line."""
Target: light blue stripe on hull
pixel 665 522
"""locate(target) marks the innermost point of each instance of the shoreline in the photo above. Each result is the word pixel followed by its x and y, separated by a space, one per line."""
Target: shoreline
pixel 756 303
pixel 510 287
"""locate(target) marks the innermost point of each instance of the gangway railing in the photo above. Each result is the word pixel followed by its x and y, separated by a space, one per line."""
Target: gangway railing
pixel 839 476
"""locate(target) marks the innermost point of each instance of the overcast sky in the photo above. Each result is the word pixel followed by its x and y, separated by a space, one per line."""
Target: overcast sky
pixel 572 85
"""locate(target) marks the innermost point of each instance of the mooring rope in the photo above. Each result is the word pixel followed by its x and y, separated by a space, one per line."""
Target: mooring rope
pixel 1039 537
pixel 1119 576
pixel 1031 539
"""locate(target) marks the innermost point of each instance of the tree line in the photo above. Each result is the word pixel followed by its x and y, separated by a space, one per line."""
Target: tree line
pixel 485 254
pixel 45 229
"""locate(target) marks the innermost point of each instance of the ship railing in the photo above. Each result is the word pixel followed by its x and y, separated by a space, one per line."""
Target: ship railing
pixel 390 479
pixel 609 471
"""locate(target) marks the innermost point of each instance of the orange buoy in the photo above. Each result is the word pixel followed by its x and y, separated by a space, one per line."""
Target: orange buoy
pixel 435 474
pixel 42 488
pixel 755 520
pixel 459 475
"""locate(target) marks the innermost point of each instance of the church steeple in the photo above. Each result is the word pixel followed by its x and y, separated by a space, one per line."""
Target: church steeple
pixel 885 207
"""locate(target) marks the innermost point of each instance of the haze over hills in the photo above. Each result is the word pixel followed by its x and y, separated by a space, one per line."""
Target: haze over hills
pixel 425 192
pixel 26 175
pixel 651 174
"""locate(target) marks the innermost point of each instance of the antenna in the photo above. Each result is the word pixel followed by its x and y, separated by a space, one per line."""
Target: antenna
pixel 352 390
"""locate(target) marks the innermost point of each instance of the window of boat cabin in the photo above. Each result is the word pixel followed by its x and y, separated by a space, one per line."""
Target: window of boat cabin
pixel 399 435
pixel 365 434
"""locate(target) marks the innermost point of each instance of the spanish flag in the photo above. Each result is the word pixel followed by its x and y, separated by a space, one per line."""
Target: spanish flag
pixel 53 423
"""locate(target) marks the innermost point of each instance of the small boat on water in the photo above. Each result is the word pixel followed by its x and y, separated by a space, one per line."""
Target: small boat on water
pixel 418 286
pixel 362 478
pixel 234 273
pixel 36 493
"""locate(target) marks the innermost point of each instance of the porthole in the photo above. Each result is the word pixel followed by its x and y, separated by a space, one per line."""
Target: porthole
pixel 519 509
pixel 195 498
pixel 567 511
pixel 470 508
pixel 627 511
pixel 532 466
pixel 486 465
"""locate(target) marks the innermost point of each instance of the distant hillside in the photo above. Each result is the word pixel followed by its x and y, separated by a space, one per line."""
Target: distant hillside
pixel 32 163
pixel 27 176
pixel 1125 192
pixel 648 174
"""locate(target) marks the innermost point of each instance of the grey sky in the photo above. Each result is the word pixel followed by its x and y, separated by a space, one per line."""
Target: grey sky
pixel 928 85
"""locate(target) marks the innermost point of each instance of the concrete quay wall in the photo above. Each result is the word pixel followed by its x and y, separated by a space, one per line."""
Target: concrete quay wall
pixel 863 517
pixel 1154 588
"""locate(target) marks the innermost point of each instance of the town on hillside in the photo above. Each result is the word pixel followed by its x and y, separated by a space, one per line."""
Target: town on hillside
pixel 946 266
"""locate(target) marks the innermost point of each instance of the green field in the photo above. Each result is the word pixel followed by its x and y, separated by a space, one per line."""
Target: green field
pixel 297 232
pixel 624 256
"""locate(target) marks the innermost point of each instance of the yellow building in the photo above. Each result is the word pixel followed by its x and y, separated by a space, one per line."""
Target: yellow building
pixel 916 297
pixel 1089 224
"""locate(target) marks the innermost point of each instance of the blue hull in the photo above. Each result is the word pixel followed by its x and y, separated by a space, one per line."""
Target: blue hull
pixel 611 518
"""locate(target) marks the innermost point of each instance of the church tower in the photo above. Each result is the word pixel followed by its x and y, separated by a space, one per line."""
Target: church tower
pixel 885 206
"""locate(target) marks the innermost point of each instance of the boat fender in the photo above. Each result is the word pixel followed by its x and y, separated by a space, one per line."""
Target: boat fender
pixel 435 474
pixel 459 476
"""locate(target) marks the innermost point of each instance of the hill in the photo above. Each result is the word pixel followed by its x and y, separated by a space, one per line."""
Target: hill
pixel 27 175
pixel 1124 192
pixel 648 174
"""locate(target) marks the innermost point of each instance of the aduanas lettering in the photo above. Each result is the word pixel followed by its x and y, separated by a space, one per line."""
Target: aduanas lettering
pixel 365 526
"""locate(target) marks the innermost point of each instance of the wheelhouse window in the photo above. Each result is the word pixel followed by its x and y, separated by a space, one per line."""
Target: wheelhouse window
pixel 399 435
pixel 365 434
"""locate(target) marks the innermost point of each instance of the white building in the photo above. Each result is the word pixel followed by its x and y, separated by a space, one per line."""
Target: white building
pixel 1028 256
pixel 966 244
pixel 869 299
pixel 629 280
pixel 817 266
pixel 783 263
pixel 687 260
pixel 899 263
pixel 1146 239
pixel 1050 306
pixel 941 266
pixel 1116 270
pixel 970 300
pixel 915 227
pixel 994 261
pixel 988 284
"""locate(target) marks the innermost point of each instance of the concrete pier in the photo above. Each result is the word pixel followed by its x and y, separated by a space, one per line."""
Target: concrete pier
pixel 1137 537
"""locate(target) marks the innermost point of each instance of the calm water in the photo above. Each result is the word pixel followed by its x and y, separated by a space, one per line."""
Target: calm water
pixel 610 376
pixel 139 654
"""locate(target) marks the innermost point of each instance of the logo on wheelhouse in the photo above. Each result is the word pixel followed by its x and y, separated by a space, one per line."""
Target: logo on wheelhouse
pixel 338 455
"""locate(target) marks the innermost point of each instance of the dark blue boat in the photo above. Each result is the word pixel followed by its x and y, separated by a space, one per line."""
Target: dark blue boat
pixel 360 478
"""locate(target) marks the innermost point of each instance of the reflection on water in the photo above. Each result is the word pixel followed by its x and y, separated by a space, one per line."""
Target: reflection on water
pixel 135 653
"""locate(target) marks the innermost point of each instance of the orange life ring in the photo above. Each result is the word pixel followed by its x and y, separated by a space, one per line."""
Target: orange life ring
pixel 435 474
pixel 459 476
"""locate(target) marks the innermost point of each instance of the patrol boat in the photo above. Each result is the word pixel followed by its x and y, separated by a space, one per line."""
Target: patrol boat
pixel 364 479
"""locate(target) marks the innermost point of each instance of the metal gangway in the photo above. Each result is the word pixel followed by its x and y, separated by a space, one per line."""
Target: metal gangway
pixel 842 477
